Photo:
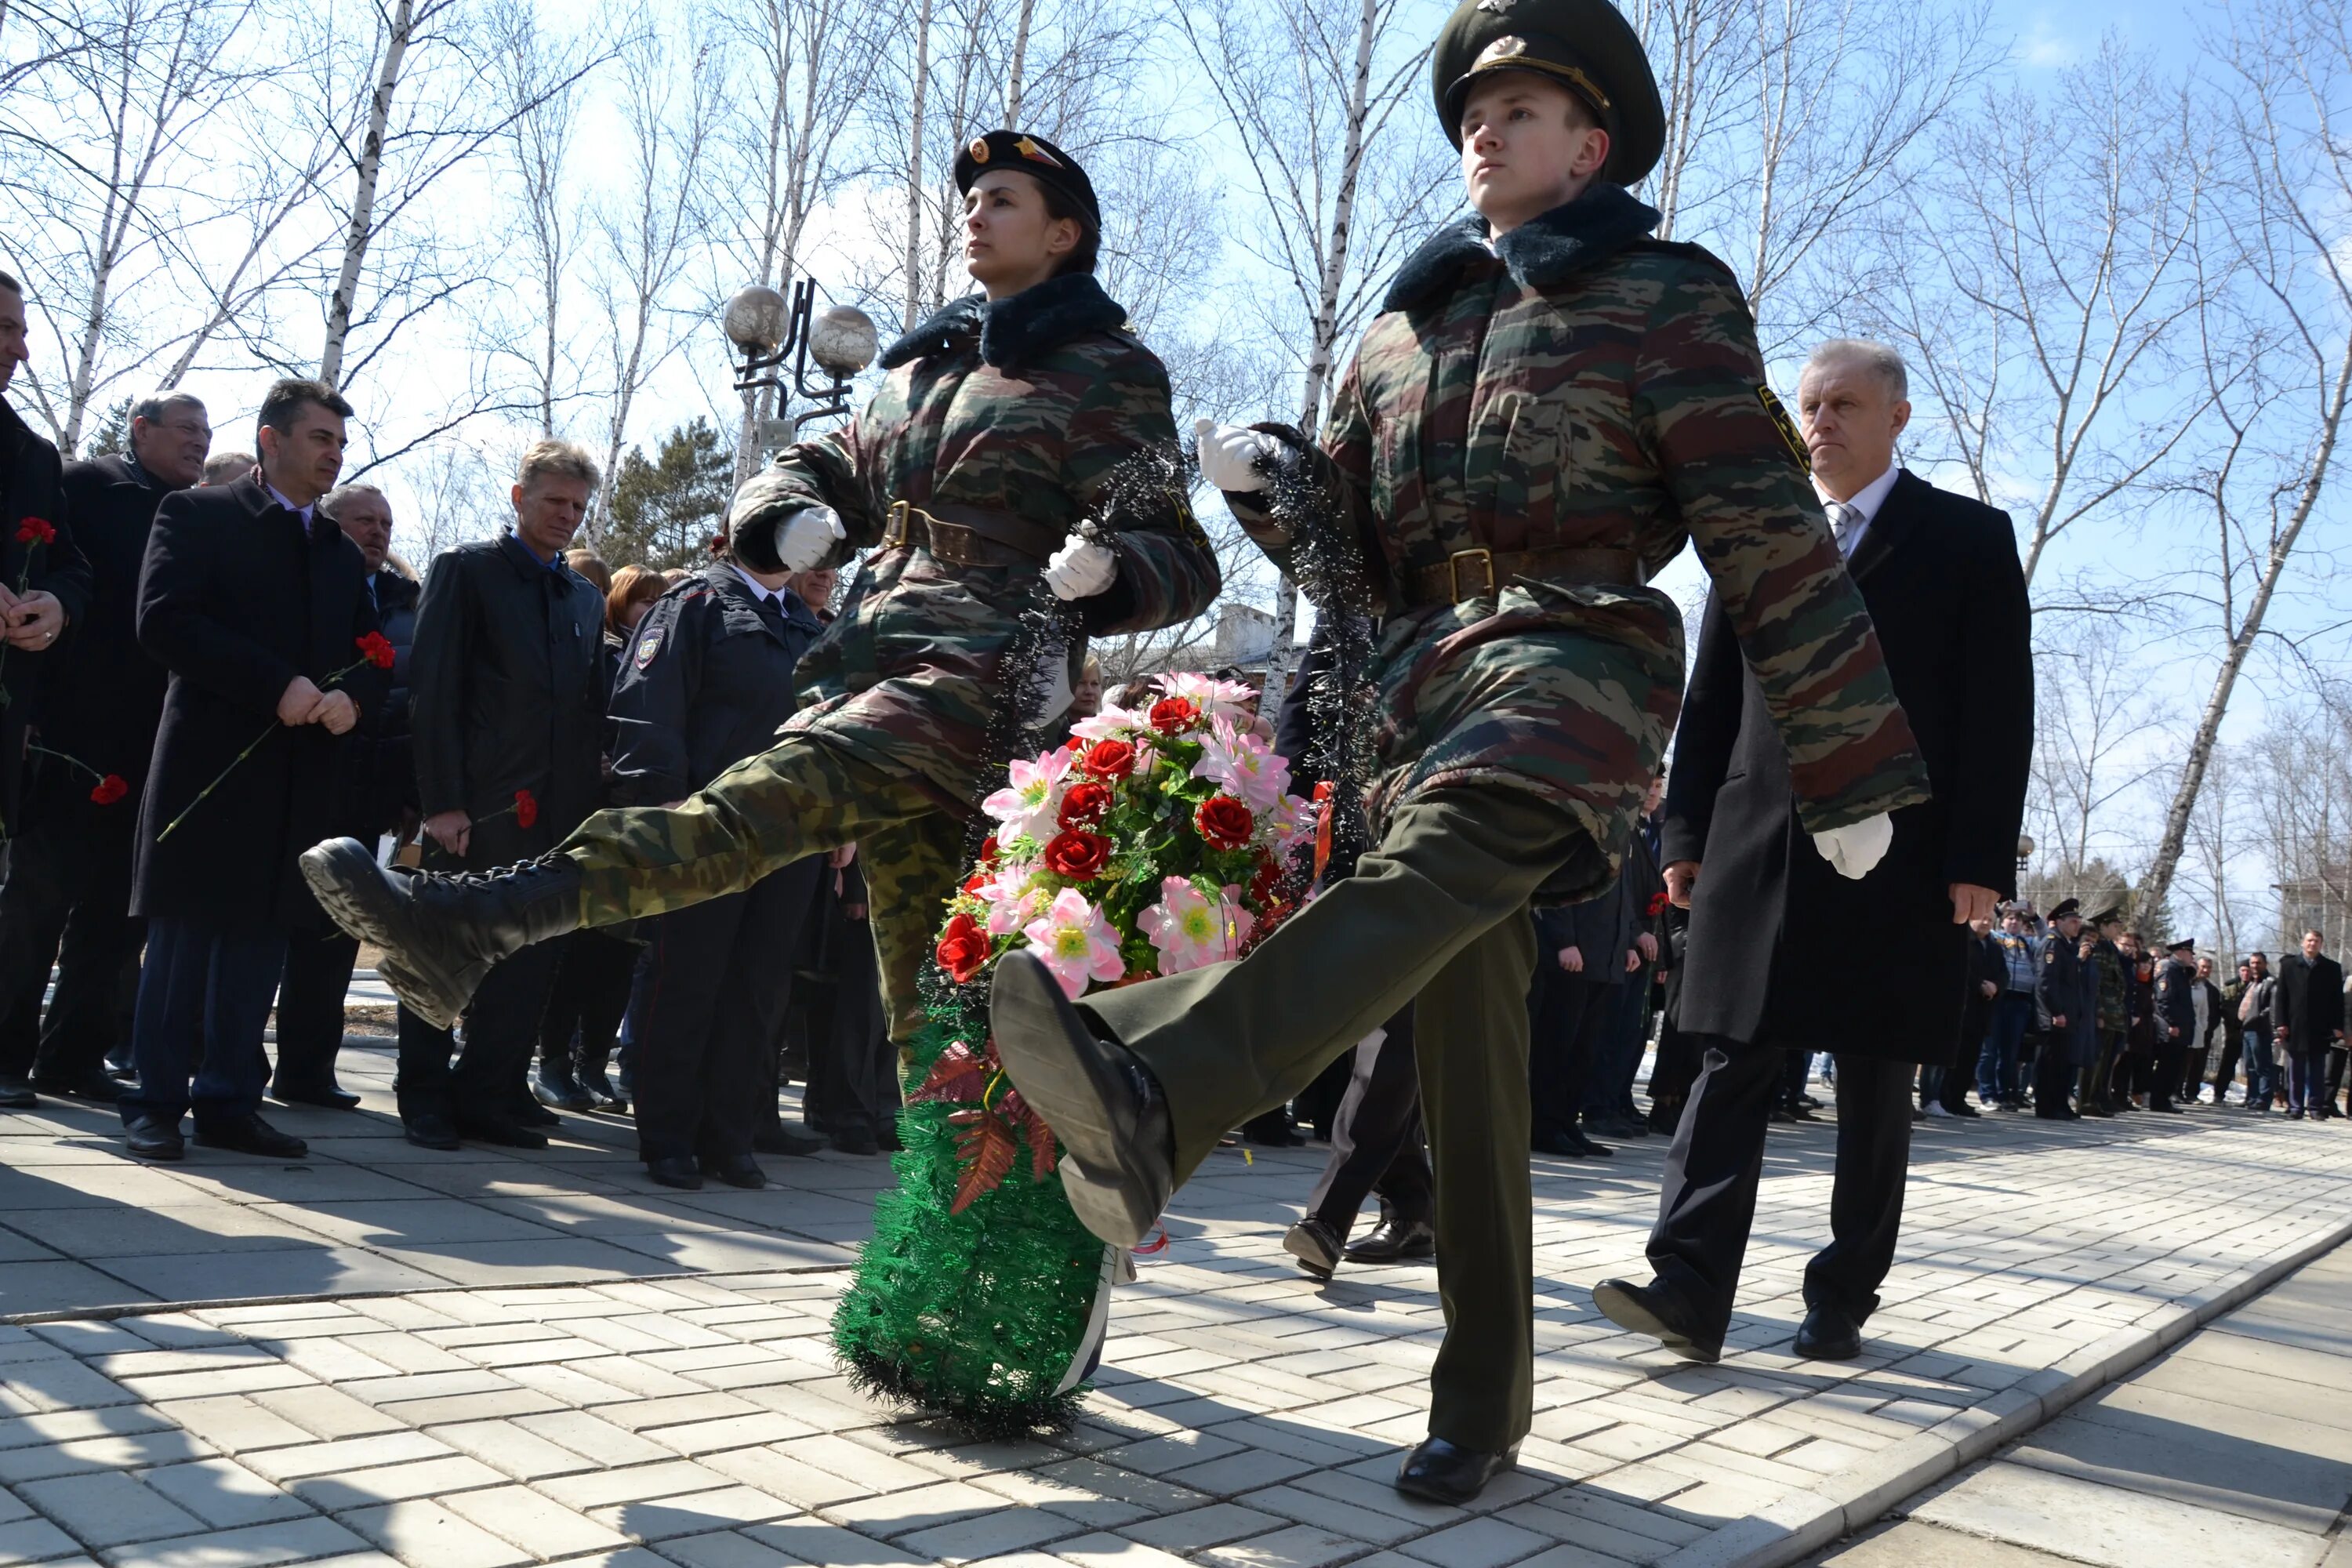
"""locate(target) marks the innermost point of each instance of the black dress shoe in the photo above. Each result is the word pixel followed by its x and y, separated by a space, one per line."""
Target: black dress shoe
pixel 98 1086
pixel 441 932
pixel 782 1140
pixel 16 1094
pixel 1659 1310
pixel 1828 1334
pixel 1119 1164
pixel 1441 1472
pixel 554 1085
pixel 429 1129
pixel 151 1139
pixel 528 1112
pixel 682 1172
pixel 249 1135
pixel 326 1096
pixel 1315 1246
pixel 1394 1240
pixel 856 1141
pixel 736 1170
pixel 501 1132
pixel 1570 1144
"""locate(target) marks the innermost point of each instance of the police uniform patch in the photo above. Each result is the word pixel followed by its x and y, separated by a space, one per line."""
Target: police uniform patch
pixel 1774 411
pixel 648 646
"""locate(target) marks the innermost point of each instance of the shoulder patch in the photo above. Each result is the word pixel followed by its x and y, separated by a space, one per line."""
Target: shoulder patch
pixel 648 646
pixel 1778 415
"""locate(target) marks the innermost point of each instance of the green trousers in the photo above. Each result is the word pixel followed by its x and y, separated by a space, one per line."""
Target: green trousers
pixel 801 797
pixel 1438 912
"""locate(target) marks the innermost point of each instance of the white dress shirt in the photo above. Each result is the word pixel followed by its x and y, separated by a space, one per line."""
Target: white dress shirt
pixel 1865 502
pixel 301 512
pixel 761 591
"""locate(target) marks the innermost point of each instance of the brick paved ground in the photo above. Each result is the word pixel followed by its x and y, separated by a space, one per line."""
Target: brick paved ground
pixel 1247 1418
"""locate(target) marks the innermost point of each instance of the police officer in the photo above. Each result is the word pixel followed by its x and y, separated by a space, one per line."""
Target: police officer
pixel 2066 1005
pixel 705 678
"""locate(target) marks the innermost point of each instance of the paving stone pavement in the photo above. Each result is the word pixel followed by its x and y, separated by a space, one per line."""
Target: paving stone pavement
pixel 524 1393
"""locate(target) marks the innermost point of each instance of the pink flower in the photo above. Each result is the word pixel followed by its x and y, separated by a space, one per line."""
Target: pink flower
pixel 1218 699
pixel 1074 941
pixel 1191 931
pixel 1010 903
pixel 1293 818
pixel 1243 765
pixel 1110 724
pixel 1029 805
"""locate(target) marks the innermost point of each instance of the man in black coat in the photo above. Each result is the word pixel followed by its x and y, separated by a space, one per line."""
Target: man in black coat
pixel 2066 1005
pixel 1775 911
pixel 67 897
pixel 2307 1011
pixel 381 784
pixel 259 608
pixel 1584 952
pixel 2175 1021
pixel 506 721
pixel 707 681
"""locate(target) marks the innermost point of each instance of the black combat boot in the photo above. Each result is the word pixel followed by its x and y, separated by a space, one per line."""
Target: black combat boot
pixel 441 932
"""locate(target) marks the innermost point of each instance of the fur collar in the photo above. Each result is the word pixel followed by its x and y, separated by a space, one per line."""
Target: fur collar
pixel 1546 251
pixel 1014 331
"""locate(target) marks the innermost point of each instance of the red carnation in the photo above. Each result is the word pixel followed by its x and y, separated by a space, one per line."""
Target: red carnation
pixel 1657 905
pixel 1078 855
pixel 109 789
pixel 36 530
pixel 1108 760
pixel 1085 801
pixel 963 948
pixel 377 649
pixel 1224 822
pixel 1173 715
pixel 526 807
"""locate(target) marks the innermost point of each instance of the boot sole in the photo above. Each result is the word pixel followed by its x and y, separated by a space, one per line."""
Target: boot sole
pixel 1069 1083
pixel 1310 1257
pixel 344 877
pixel 1622 1309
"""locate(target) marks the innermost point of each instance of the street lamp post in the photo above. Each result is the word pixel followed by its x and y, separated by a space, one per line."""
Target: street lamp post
pixel 767 331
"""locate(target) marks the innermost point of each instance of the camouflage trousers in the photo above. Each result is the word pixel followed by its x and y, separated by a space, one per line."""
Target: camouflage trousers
pixel 801 797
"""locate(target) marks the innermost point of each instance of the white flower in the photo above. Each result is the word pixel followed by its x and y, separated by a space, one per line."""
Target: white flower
pixel 1028 805
pixel 1214 698
pixel 1243 765
pixel 1074 941
pixel 1110 724
pixel 1189 930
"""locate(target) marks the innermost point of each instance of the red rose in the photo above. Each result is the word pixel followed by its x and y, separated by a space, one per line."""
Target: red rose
pixel 1076 744
pixel 988 850
pixel 1077 854
pixel 1172 715
pixel 35 531
pixel 1224 822
pixel 1264 882
pixel 1108 760
pixel 975 882
pixel 1085 801
pixel 377 649
pixel 963 949
pixel 526 807
pixel 109 789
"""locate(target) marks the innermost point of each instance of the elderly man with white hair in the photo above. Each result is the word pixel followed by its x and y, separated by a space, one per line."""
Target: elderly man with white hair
pixel 1870 960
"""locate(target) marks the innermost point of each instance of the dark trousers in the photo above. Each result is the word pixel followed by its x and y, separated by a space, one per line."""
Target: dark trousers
pixel 585 1004
pixel 66 899
pixel 501 1024
pixel 1796 1071
pixel 1376 1136
pixel 718 975
pixel 203 1001
pixel 853 1082
pixel 2231 1039
pixel 2334 1089
pixel 2012 1015
pixel 1717 1160
pixel 1568 1015
pixel 1617 1057
pixel 2053 1075
pixel 311 1009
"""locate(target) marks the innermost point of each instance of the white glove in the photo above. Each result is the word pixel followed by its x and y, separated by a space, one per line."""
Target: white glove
pixel 1853 850
pixel 808 536
pixel 1230 455
pixel 1081 569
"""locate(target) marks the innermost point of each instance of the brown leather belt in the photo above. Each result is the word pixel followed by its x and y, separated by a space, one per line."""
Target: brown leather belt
pixel 1475 573
pixel 968 536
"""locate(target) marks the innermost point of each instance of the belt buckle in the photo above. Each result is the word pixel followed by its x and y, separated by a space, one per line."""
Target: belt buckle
pixel 1486 559
pixel 894 534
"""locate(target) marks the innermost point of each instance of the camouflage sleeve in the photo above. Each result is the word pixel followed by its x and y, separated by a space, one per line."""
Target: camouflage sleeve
pixel 832 469
pixel 1331 481
pixel 1126 470
pixel 1737 476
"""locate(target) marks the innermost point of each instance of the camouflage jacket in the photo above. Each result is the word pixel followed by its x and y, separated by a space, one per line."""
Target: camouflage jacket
pixel 2114 994
pixel 1584 386
pixel 1041 405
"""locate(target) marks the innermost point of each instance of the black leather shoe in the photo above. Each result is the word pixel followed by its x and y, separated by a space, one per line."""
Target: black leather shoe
pixel 1394 1240
pixel 593 1078
pixel 528 1112
pixel 1570 1144
pixel 782 1140
pixel 326 1096
pixel 150 1138
pixel 736 1170
pixel 1441 1472
pixel 497 1130
pixel 855 1141
pixel 97 1087
pixel 16 1094
pixel 441 932
pixel 682 1173
pixel 1315 1245
pixel 1118 1166
pixel 555 1086
pixel 429 1129
pixel 1828 1333
pixel 249 1135
pixel 1658 1310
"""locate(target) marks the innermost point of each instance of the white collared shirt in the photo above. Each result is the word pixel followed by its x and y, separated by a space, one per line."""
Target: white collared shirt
pixel 1865 500
pixel 761 591
pixel 301 512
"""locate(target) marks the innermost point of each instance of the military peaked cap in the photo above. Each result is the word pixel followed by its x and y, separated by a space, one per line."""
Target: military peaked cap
pixel 1034 156
pixel 2065 907
pixel 1587 46
pixel 2112 912
pixel 2186 944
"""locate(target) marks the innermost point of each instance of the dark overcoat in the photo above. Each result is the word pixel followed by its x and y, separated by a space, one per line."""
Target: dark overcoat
pixel 32 488
pixel 2308 1003
pixel 507 693
pixel 2069 989
pixel 1772 930
pixel 102 699
pixel 236 600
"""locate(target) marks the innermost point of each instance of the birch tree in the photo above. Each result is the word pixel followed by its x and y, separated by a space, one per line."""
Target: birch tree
pixel 532 73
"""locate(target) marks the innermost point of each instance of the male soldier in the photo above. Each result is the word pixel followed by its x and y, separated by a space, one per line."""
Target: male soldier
pixel 2095 1093
pixel 2066 1002
pixel 1551 404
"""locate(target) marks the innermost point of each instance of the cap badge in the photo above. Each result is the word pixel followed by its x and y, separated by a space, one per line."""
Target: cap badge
pixel 978 149
pixel 1496 7
pixel 1030 150
pixel 1508 47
